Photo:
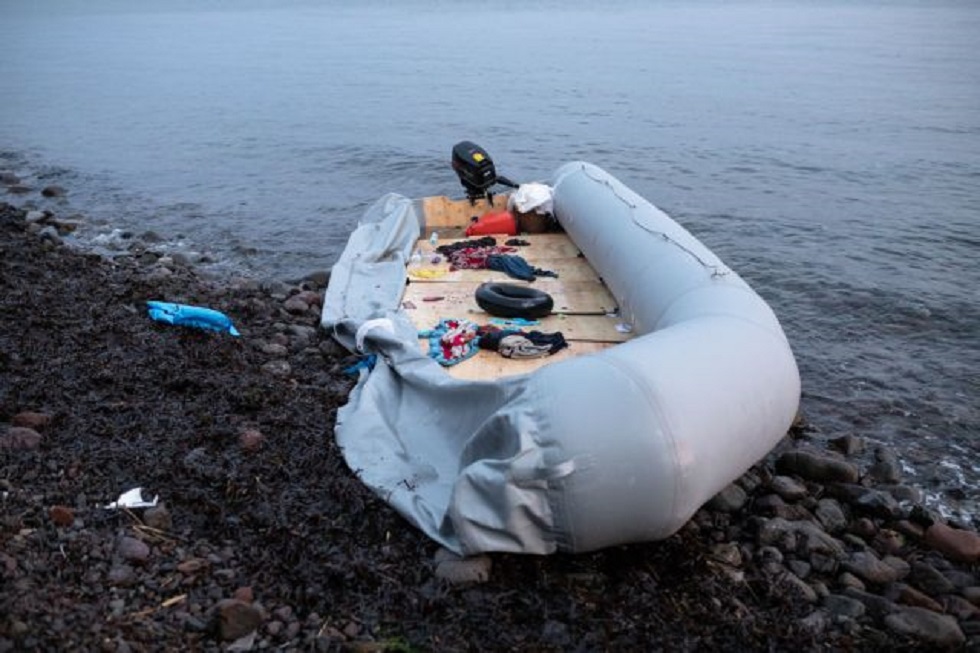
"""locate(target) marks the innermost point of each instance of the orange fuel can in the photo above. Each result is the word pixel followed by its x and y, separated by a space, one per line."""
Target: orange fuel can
pixel 493 222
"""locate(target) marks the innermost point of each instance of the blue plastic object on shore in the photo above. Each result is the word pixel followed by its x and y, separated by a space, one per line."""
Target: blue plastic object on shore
pixel 192 316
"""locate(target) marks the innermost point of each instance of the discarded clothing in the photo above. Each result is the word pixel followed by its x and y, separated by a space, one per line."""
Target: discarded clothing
pixel 449 248
pixel 518 346
pixel 192 316
pixel 475 258
pixel 517 242
pixel 554 341
pixel 516 267
pixel 426 273
pixel 490 337
pixel 533 196
pixel 452 341
pixel 514 343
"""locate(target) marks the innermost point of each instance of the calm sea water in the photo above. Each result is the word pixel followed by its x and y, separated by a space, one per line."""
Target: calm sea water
pixel 830 153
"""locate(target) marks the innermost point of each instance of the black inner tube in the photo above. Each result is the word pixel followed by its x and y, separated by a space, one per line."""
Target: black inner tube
pixel 512 300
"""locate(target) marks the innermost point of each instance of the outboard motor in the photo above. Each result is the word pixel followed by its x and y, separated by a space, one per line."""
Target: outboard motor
pixel 476 171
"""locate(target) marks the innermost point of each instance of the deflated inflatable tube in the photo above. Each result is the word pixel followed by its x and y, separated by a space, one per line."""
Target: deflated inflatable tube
pixel 512 300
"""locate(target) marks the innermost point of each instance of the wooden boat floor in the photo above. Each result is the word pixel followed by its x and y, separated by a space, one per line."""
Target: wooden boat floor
pixel 489 365
pixel 583 310
pixel 443 212
pixel 570 297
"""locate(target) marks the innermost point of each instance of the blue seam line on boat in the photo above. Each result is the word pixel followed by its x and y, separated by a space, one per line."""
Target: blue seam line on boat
pixel 716 270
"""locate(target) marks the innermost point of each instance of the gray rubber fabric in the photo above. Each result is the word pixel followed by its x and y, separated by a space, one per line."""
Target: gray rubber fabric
pixel 619 446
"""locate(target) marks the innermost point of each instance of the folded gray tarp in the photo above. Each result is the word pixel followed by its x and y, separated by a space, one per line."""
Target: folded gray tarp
pixel 618 446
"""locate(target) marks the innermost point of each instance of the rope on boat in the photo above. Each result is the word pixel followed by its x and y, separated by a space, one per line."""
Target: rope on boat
pixel 715 270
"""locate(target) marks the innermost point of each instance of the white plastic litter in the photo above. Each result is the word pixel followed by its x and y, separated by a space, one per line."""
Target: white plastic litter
pixel 533 197
pixel 133 499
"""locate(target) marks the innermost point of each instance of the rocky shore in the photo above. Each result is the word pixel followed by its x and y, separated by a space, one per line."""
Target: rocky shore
pixel 263 539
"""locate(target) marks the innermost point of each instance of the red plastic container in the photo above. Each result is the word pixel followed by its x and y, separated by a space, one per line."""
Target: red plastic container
pixel 493 222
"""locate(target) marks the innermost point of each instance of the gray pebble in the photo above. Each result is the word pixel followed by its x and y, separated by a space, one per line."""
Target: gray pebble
pixel 930 580
pixel 133 549
pixel 817 467
pixel 926 626
pixel 788 488
pixel 840 605
pixel 730 499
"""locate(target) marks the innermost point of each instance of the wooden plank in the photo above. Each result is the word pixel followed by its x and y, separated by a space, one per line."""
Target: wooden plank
pixel 567 269
pixel 489 365
pixel 543 247
pixel 570 297
pixel 582 328
pixel 441 211
pixel 449 233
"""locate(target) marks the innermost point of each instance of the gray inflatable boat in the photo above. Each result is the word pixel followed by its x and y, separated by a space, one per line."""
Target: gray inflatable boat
pixel 677 379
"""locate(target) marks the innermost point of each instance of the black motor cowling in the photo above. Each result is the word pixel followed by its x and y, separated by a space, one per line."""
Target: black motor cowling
pixel 476 170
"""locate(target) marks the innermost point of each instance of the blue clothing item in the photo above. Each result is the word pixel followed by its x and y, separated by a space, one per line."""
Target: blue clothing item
pixel 452 341
pixel 513 322
pixel 364 363
pixel 516 267
pixel 192 316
